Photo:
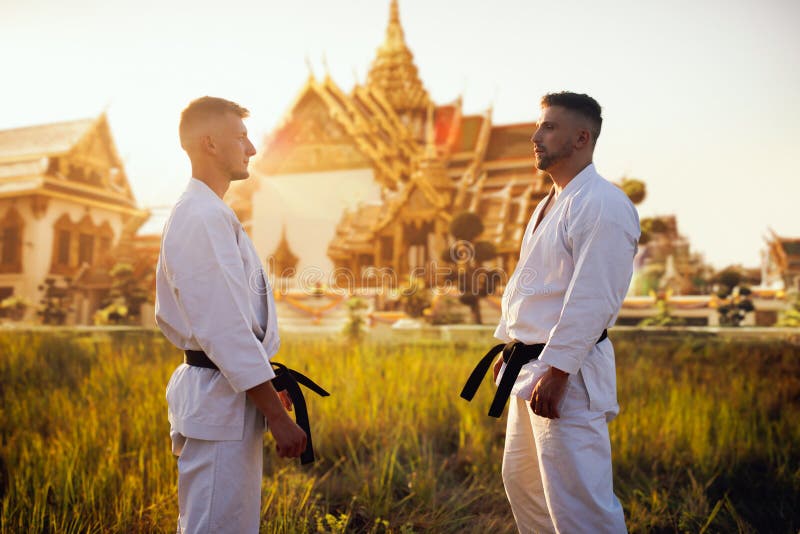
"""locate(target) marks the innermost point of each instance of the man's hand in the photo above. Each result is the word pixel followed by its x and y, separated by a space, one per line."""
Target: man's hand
pixel 290 440
pixel 498 364
pixel 547 393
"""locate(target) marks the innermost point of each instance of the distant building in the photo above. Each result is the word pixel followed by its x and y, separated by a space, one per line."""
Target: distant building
pixel 65 206
pixel 665 261
pixel 781 266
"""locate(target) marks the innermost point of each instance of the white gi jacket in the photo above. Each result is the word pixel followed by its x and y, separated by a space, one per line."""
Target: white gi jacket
pixel 212 295
pixel 572 276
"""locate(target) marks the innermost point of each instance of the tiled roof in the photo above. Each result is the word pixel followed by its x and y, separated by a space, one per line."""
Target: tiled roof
pixel 791 246
pixel 23 168
pixel 511 141
pixel 42 140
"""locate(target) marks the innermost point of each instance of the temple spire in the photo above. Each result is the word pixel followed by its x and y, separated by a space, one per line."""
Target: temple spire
pixel 283 260
pixel 393 71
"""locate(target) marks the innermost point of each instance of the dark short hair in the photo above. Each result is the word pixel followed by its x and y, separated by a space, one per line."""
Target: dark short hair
pixel 582 104
pixel 204 107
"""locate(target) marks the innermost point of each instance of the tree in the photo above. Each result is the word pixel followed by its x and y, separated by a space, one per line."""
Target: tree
pixel 14 307
pixel 735 309
pixel 791 316
pixel 664 316
pixel 355 325
pixel 413 297
pixel 651 226
pixel 125 298
pixel 467 255
pixel 56 301
pixel 635 189
pixel 726 280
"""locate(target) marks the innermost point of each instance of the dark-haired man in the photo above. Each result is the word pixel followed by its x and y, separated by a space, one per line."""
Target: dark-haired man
pixel 214 302
pixel 574 270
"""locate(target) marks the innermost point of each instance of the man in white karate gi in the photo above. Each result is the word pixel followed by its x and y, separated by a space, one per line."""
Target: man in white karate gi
pixel 574 270
pixel 213 299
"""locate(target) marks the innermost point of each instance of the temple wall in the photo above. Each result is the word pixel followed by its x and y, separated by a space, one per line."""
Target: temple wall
pixel 310 204
pixel 37 240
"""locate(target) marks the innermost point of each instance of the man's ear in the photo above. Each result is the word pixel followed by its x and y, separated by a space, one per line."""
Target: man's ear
pixel 207 144
pixel 583 138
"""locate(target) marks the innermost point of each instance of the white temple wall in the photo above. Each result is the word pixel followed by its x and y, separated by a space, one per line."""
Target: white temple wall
pixel 311 205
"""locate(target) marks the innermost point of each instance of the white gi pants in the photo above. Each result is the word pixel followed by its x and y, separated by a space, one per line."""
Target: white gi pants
pixel 219 482
pixel 557 472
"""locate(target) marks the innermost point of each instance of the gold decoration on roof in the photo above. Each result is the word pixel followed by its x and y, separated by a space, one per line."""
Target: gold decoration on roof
pixel 393 71
pixel 430 169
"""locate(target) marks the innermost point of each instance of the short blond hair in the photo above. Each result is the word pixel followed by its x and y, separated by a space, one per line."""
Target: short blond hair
pixel 203 108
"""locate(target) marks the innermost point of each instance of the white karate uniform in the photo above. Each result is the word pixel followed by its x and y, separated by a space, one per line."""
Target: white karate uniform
pixel 572 276
pixel 212 295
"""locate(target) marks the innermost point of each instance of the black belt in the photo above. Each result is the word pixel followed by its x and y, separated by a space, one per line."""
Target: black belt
pixel 285 379
pixel 515 354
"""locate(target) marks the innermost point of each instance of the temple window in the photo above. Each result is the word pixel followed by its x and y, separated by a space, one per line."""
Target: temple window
pixel 78 243
pixel 10 245
pixel 85 249
pixel 11 242
pixel 63 242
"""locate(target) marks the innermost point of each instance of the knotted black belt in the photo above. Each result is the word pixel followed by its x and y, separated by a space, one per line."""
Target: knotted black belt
pixel 515 354
pixel 285 379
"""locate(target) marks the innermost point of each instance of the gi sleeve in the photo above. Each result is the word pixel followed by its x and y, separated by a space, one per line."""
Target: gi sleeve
pixel 501 332
pixel 603 240
pixel 211 287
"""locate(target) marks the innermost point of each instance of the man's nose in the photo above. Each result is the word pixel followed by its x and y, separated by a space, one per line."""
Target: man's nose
pixel 251 149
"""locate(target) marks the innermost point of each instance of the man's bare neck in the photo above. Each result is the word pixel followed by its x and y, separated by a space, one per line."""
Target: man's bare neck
pixel 563 176
pixel 217 183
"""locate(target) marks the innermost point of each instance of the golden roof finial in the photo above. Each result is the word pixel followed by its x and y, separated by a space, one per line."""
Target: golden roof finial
pixel 310 68
pixel 394 32
pixel 393 71
pixel 325 66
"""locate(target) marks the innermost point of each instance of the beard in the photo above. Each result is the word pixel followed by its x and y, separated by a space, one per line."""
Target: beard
pixel 546 160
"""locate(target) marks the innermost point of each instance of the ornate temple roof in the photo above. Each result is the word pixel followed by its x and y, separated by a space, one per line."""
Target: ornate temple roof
pixel 511 141
pixel 393 71
pixel 785 251
pixel 30 142
pixel 73 160
pixel 437 167
pixel 326 129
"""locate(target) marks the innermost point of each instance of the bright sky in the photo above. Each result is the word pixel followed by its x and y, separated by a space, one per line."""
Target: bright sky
pixel 700 99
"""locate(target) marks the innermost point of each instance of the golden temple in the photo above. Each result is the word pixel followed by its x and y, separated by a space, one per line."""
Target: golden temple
pixel 429 162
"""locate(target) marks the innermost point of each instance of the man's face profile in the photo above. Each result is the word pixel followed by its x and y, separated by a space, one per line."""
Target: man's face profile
pixel 233 147
pixel 554 136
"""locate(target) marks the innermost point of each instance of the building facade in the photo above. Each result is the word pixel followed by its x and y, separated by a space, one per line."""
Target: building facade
pixel 65 205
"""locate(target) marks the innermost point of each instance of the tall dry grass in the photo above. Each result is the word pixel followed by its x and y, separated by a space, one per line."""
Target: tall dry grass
pixel 707 440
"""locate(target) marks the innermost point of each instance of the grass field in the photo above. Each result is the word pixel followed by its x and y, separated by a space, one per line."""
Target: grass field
pixel 708 438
